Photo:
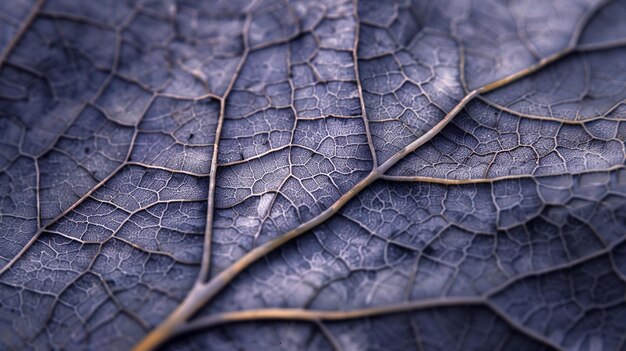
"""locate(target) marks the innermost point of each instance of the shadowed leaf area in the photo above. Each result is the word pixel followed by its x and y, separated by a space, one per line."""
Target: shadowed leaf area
pixel 313 175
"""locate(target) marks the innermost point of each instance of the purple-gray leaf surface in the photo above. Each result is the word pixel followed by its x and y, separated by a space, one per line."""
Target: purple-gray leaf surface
pixel 313 175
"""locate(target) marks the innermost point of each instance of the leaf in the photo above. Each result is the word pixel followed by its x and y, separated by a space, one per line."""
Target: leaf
pixel 312 175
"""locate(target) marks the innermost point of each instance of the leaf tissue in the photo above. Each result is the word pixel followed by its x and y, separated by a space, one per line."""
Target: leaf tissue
pixel 313 175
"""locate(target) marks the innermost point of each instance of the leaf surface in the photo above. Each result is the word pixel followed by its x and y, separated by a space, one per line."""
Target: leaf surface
pixel 313 175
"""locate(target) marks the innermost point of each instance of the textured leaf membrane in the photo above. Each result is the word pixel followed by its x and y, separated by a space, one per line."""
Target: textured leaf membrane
pixel 313 175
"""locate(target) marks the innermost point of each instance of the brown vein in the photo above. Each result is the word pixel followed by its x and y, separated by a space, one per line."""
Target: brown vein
pixel 25 24
pixel 359 86
pixel 445 181
pixel 208 231
pixel 334 316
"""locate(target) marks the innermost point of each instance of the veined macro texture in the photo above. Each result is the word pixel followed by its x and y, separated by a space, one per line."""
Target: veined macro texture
pixel 313 175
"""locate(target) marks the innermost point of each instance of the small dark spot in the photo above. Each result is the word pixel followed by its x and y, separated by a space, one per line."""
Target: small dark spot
pixel 428 251
pixel 495 113
pixel 87 150
pixel 191 136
